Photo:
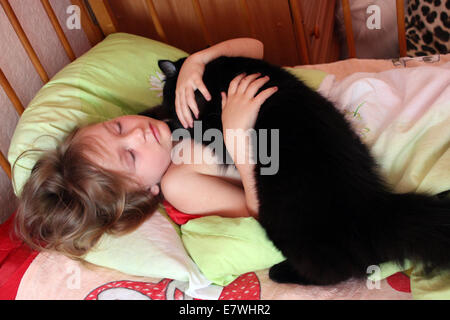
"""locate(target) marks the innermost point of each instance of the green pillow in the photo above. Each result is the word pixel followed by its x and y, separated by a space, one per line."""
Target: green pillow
pixel 118 76
pixel 224 248
pixel 312 78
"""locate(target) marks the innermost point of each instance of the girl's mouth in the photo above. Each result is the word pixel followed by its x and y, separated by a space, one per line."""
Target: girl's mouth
pixel 155 132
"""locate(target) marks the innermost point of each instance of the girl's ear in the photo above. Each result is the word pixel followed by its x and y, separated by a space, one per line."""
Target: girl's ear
pixel 154 190
pixel 168 68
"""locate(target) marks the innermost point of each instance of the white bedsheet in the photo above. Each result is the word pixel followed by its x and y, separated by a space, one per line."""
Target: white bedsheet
pixel 403 115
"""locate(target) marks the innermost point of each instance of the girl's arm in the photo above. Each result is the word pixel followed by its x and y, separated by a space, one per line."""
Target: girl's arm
pixel 191 73
pixel 240 108
pixel 193 192
pixel 246 47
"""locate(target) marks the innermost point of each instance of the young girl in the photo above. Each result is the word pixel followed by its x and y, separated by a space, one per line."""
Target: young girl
pixel 108 177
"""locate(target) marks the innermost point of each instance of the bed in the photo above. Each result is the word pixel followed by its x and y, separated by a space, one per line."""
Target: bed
pixel 174 258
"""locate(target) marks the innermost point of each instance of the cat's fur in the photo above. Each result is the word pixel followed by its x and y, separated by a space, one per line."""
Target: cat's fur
pixel 327 209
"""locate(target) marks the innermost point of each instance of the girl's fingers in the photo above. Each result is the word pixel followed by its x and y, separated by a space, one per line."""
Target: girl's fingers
pixel 202 88
pixel 264 95
pixel 182 108
pixel 178 108
pixel 180 117
pixel 224 99
pixel 183 99
pixel 245 82
pixel 187 116
pixel 192 104
pixel 235 83
pixel 242 84
pixel 256 85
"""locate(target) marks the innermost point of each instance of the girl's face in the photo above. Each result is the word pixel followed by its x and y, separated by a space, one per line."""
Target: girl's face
pixel 135 145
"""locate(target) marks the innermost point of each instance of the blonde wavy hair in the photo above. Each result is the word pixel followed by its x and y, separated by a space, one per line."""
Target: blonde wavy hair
pixel 68 202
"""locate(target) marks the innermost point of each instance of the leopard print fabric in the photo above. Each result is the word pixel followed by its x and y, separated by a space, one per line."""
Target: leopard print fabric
pixel 427 25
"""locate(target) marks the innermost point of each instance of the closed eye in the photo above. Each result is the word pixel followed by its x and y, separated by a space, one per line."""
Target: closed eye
pixel 119 127
pixel 133 156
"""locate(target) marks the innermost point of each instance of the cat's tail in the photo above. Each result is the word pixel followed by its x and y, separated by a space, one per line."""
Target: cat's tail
pixel 415 227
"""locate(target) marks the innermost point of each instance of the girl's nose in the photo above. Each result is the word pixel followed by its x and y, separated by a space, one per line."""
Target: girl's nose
pixel 136 136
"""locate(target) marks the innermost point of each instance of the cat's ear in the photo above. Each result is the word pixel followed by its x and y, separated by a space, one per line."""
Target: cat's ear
pixel 168 68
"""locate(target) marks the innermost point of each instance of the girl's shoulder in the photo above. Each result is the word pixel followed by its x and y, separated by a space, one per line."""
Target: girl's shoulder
pixel 190 157
pixel 202 187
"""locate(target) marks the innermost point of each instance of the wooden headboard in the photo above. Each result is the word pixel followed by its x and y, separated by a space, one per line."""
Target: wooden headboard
pixel 294 32
pixel 290 29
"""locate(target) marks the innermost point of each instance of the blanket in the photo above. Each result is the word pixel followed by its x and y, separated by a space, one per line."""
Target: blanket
pixel 403 115
pixel 53 276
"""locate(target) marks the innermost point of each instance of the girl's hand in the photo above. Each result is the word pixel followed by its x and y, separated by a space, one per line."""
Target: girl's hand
pixel 239 112
pixel 190 79
pixel 241 107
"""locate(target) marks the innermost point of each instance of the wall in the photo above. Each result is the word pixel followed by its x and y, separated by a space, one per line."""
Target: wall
pixel 21 73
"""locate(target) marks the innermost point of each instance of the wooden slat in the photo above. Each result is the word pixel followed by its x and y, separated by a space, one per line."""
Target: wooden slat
pixel 156 21
pixel 248 18
pixel 24 40
pixel 105 16
pixel 401 28
pixel 93 32
pixel 5 165
pixel 19 108
pixel 349 29
pixel 201 19
pixel 59 31
pixel 11 93
pixel 302 44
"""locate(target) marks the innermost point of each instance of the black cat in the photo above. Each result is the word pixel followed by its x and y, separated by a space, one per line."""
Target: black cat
pixel 327 209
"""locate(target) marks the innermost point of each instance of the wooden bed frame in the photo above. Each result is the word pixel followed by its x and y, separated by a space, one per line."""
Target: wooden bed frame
pixel 99 20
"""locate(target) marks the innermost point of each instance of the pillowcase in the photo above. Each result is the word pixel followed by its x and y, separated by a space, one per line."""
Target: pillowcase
pixel 224 248
pixel 153 250
pixel 118 76
pixel 312 78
